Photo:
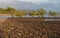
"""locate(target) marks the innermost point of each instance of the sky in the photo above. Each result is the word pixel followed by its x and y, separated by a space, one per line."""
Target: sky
pixel 31 4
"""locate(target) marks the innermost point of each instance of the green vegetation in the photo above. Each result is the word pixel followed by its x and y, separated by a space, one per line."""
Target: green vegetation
pixel 2 10
pixel 41 12
pixel 15 12
pixel 29 27
pixel 11 11
pixel 20 14
pixel 51 13
pixel 33 13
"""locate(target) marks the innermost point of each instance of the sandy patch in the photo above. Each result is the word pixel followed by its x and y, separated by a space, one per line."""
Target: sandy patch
pixel 3 19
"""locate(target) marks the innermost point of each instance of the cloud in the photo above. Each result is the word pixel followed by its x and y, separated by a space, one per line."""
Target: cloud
pixel 34 1
pixel 31 4
pixel 6 1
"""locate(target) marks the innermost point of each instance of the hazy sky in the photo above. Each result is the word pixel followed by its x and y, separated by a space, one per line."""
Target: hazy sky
pixel 31 4
pixel 34 1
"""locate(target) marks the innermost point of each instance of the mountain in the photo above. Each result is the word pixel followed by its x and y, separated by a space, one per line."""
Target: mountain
pixel 32 6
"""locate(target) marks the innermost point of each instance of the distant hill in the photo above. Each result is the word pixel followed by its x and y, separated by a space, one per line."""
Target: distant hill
pixel 32 6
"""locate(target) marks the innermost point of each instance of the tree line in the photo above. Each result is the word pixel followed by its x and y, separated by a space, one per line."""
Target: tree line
pixel 41 12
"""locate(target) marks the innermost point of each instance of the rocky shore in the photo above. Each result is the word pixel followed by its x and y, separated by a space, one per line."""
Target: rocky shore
pixel 29 28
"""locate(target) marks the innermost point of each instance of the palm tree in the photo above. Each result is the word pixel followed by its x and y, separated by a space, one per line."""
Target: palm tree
pixel 41 12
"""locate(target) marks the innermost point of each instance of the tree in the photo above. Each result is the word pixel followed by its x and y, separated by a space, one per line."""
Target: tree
pixel 41 12
pixel 51 13
pixel 20 13
pixel 33 13
pixel 11 11
pixel 1 11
